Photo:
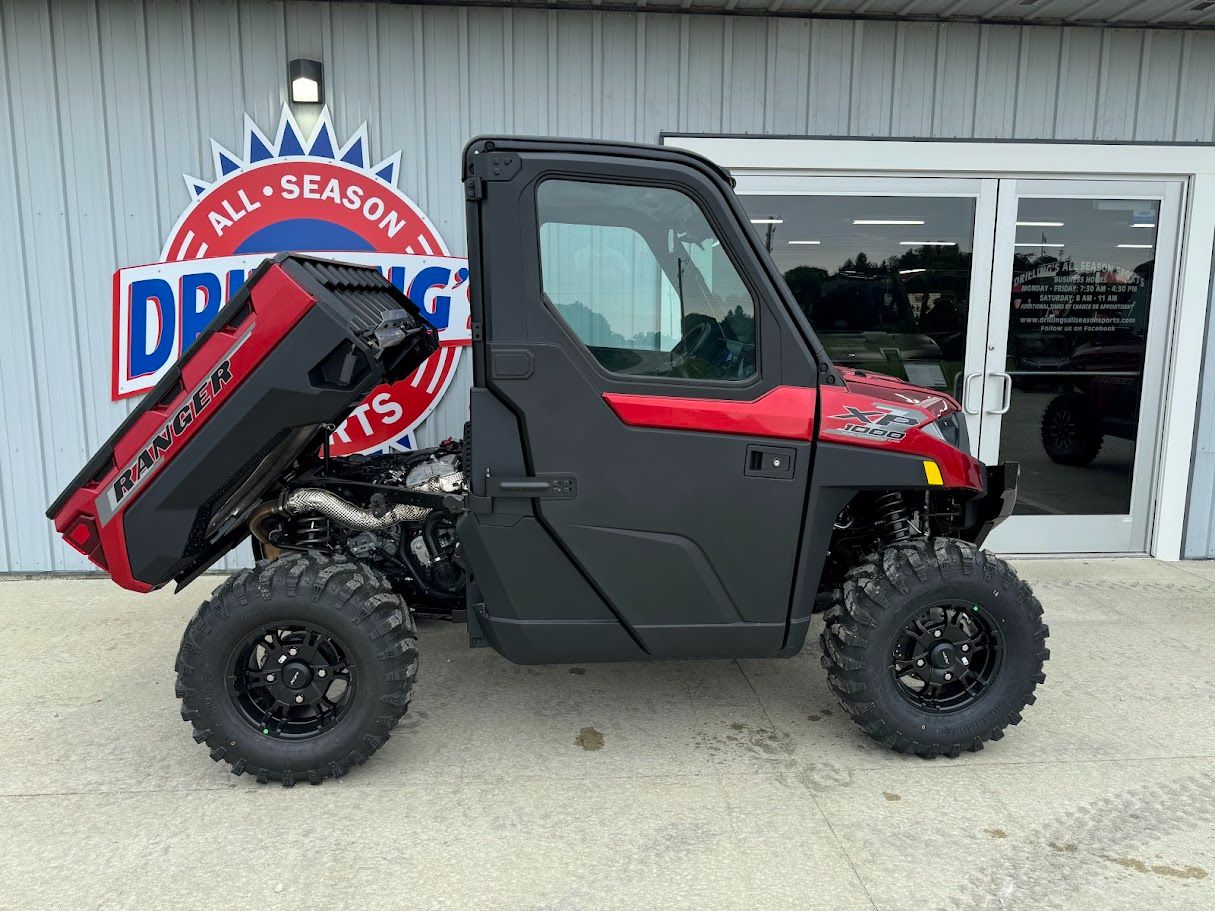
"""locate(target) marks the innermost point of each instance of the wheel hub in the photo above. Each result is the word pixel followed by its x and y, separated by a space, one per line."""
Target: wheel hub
pixel 292 682
pixel 946 656
pixel 297 675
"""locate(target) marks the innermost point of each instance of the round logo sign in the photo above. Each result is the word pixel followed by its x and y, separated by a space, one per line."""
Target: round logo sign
pixel 301 195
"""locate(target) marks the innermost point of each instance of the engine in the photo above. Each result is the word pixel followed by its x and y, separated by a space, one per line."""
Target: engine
pixel 355 505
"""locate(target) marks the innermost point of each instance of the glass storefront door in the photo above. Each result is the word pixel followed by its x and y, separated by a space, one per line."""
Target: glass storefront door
pixel 1076 348
pixel 888 272
pixel 1035 302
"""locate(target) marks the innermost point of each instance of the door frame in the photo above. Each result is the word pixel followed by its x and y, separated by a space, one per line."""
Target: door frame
pixel 1192 164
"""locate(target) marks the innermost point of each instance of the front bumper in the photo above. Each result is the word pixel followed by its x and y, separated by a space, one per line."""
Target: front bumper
pixel 995 504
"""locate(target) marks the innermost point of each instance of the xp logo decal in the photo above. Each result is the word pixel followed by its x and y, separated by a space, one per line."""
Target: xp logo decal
pixel 300 194
pixel 881 422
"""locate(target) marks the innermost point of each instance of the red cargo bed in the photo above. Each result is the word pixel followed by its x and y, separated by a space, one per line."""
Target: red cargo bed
pixel 299 345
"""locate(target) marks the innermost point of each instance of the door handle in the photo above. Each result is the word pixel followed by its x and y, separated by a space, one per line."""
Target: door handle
pixel 1006 392
pixel 543 486
pixel 966 406
pixel 770 461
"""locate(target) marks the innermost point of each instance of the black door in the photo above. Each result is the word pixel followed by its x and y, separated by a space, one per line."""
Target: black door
pixel 642 412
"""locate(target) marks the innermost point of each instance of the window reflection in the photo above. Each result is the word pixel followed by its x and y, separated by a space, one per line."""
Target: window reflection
pixel 884 280
pixel 1078 321
pixel 885 283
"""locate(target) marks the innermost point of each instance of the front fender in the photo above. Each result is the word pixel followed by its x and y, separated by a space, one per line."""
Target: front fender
pixel 993 505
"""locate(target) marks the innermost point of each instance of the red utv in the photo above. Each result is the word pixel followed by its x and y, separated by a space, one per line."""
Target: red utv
pixel 661 462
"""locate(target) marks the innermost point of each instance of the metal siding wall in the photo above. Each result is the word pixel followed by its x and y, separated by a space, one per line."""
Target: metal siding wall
pixel 1080 71
pixel 1195 108
pixel 105 104
pixel 1199 541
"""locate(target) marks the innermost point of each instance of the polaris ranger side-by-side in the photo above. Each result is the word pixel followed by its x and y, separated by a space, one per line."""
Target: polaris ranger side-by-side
pixel 661 462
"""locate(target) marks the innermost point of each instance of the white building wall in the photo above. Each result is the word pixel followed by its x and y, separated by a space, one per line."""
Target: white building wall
pixel 103 105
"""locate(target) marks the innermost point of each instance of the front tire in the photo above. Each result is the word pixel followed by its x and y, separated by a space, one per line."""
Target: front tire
pixel 934 647
pixel 298 669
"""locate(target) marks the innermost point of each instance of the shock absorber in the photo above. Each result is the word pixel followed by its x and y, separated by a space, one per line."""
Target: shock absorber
pixel 891 518
pixel 311 532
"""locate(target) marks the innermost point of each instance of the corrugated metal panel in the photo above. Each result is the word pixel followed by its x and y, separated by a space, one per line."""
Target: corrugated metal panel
pixel 996 96
pixel 1037 73
pixel 914 79
pixel 1189 13
pixel 954 94
pixel 873 78
pixel 105 104
pixel 1079 83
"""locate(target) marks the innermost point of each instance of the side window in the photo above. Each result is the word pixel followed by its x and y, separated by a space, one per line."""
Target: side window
pixel 639 276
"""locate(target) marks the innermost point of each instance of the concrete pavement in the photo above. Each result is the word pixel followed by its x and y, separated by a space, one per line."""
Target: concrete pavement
pixel 674 785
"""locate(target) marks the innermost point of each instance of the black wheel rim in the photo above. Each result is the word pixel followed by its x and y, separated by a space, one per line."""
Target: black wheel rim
pixel 947 656
pixel 1062 430
pixel 292 681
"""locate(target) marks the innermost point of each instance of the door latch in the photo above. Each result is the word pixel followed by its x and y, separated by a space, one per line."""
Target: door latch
pixel 769 461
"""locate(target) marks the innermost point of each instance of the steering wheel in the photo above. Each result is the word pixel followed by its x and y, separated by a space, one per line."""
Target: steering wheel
pixel 697 338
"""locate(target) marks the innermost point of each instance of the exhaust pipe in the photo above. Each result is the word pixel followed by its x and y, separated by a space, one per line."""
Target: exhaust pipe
pixel 331 506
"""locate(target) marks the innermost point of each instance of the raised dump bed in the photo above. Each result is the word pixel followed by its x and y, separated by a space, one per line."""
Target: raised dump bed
pixel 299 345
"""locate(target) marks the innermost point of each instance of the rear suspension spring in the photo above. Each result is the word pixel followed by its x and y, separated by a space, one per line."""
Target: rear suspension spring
pixel 311 532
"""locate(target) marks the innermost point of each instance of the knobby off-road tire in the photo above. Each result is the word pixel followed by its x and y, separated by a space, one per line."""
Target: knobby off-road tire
pixel 348 605
pixel 1070 433
pixel 867 621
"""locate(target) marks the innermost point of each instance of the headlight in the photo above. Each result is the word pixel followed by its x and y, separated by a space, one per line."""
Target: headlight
pixel 951 429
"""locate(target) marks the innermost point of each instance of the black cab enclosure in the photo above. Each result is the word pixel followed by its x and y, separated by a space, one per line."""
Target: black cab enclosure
pixel 645 477
pixel 602 273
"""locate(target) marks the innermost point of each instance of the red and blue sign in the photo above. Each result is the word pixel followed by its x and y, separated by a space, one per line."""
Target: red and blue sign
pixel 301 195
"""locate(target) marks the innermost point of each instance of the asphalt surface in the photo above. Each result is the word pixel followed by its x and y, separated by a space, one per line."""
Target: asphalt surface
pixel 674 785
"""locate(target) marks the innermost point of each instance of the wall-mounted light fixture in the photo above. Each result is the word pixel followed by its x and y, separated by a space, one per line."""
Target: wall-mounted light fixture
pixel 307 81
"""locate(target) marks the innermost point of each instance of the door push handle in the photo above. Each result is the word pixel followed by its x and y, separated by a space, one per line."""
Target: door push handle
pixel 1006 388
pixel 966 401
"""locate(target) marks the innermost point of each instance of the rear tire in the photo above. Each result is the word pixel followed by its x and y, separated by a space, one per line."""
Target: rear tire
pixel 331 628
pixel 935 595
pixel 1070 434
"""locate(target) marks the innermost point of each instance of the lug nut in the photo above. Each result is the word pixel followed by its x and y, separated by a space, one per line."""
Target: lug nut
pixel 321 672
pixel 920 663
pixel 301 698
pixel 937 634
pixel 292 652
pixel 947 677
pixel 269 678
pixel 965 648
